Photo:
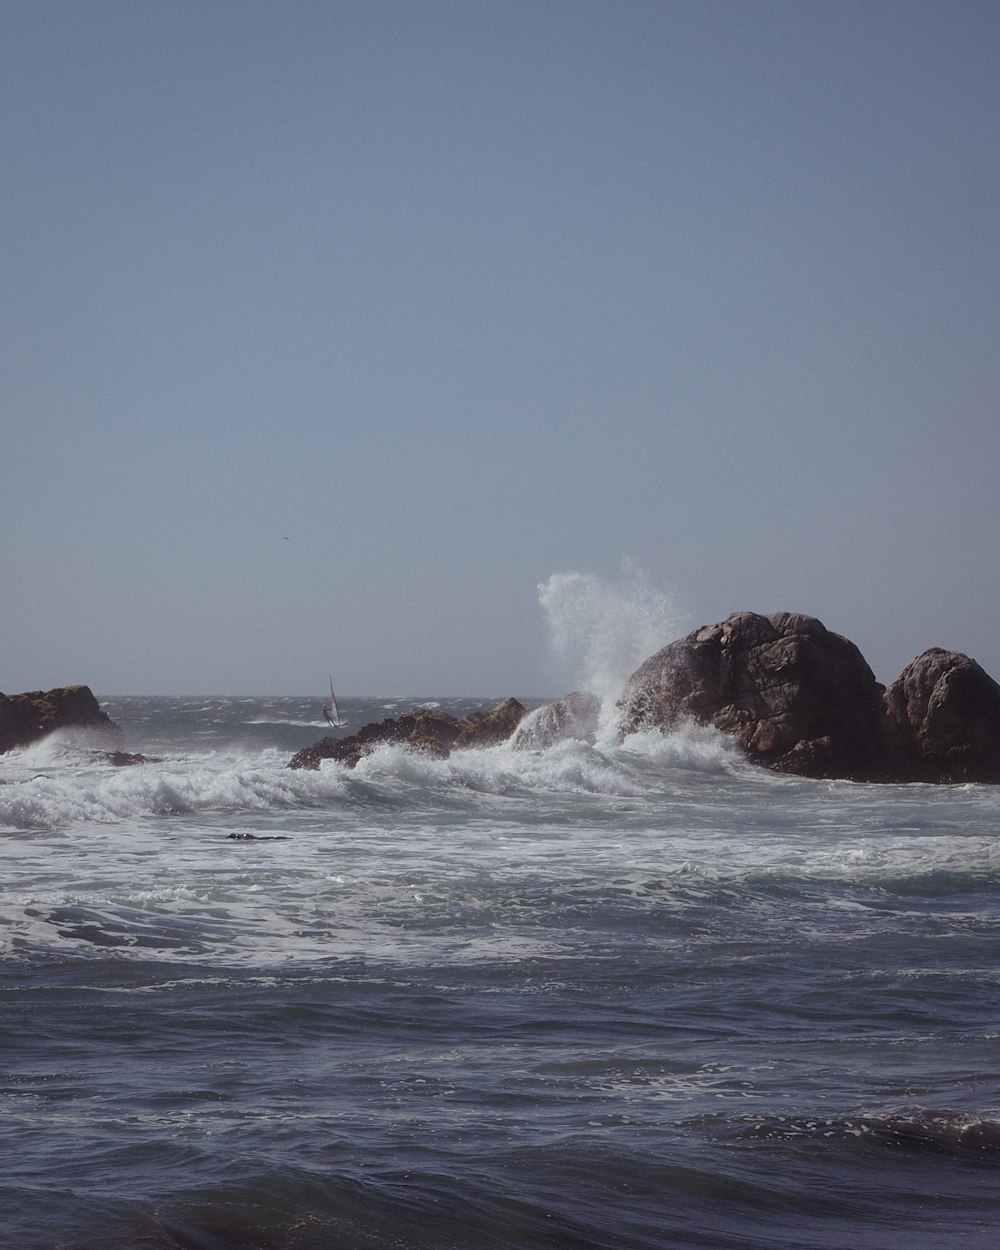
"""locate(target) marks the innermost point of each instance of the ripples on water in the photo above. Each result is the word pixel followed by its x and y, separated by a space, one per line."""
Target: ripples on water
pixel 629 997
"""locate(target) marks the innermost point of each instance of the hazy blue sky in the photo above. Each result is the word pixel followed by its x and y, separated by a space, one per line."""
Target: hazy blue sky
pixel 332 331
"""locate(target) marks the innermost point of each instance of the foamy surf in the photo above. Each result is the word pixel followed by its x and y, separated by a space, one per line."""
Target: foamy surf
pixel 589 993
pixel 56 784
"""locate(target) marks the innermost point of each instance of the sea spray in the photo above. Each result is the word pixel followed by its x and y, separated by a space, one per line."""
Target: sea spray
pixel 601 629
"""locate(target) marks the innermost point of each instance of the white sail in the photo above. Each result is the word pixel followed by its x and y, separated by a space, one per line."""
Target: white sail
pixel 331 711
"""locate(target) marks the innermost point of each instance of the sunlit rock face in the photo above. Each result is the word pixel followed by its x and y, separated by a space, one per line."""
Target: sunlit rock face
pixel 944 717
pixel 489 729
pixel 797 697
pixel 801 699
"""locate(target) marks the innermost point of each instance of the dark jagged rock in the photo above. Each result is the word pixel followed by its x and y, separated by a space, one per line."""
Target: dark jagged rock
pixel 944 719
pixel 422 729
pixel 26 718
pixel 797 697
pixel 256 837
pixel 489 729
pixel 576 715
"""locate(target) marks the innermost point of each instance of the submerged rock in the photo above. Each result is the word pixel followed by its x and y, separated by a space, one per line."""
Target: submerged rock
pixel 422 729
pixel 126 759
pixel 256 837
pixel 27 718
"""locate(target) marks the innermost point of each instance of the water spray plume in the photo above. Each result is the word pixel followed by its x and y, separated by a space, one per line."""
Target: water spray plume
pixel 601 630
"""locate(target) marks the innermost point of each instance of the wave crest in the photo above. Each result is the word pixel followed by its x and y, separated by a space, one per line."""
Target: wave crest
pixel 61 789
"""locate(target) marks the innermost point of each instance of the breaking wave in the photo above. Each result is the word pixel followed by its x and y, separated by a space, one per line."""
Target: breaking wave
pixel 601 630
pixel 56 785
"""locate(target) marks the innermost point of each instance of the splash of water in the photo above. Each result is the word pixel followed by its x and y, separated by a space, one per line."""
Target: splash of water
pixel 602 629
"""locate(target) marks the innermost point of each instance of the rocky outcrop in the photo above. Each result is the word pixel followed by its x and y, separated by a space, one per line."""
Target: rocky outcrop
pixel 800 699
pixel 797 697
pixel 575 715
pixel 943 713
pixel 26 718
pixel 422 729
pixel 127 759
pixel 489 729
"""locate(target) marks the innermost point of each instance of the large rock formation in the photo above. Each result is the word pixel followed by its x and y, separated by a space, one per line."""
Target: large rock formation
pixel 802 700
pixel 422 729
pixel 25 718
pixel 944 719
pixel 797 697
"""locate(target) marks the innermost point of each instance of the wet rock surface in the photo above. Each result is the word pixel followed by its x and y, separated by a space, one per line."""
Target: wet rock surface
pixel 944 718
pixel 27 718
pixel 801 699
pixel 422 729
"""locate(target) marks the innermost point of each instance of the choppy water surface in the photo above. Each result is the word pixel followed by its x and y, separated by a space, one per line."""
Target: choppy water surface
pixel 624 996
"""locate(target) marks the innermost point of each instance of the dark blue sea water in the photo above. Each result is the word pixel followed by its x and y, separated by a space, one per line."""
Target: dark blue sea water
pixel 630 996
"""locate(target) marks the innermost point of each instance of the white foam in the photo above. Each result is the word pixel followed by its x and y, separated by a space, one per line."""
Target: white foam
pixel 53 787
pixel 601 630
pixel 700 747
pixel 97 792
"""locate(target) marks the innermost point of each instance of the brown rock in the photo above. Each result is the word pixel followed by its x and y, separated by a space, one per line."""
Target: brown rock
pixel 422 729
pixel 489 729
pixel 797 697
pixel 944 718
pixel 26 718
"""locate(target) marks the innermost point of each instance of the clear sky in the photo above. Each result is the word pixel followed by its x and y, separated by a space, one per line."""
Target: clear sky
pixel 333 331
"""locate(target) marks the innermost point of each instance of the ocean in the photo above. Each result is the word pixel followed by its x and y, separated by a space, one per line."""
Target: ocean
pixel 631 996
